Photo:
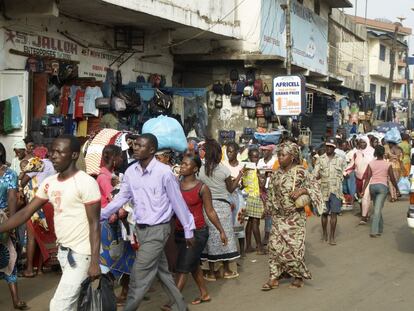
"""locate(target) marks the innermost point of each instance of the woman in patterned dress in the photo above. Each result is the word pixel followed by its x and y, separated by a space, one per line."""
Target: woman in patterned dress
pixel 8 205
pixel 287 237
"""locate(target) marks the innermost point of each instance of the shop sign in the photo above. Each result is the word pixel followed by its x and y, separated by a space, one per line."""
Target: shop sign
pixel 289 95
pixel 309 35
pixel 92 62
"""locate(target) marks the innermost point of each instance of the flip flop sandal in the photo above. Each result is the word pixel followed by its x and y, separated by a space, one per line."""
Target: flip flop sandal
pixel 231 276
pixel 268 286
pixel 166 308
pixel 200 300
pixel 21 305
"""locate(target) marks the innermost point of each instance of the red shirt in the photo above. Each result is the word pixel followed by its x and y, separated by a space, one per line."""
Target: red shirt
pixel 79 100
pixel 105 186
pixel 64 100
pixel 195 205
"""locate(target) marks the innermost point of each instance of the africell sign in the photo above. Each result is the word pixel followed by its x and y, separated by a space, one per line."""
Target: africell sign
pixel 289 95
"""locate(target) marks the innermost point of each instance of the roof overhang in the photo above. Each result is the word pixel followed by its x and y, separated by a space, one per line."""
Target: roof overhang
pixel 102 12
pixel 339 3
pixel 385 36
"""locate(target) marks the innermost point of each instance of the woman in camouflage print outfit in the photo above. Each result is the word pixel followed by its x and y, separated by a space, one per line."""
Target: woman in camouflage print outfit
pixel 287 237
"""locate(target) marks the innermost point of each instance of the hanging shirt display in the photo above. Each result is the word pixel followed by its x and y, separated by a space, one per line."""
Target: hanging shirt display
pixel 91 94
pixel 79 102
pixel 64 100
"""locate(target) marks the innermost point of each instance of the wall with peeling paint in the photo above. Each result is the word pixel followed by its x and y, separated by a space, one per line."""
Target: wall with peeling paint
pixel 215 16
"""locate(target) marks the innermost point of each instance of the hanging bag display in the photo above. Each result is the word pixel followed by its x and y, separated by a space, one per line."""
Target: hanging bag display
pixel 240 85
pixel 218 88
pixel 103 103
pixel 218 104
pixel 259 110
pixel 251 113
pixel 235 100
pixel 247 102
pixel 227 89
pixel 234 75
pixel 248 91
pixel 250 77
pixel 258 88
pixel 118 104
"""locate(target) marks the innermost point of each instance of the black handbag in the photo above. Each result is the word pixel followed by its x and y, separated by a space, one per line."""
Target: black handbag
pixel 250 77
pixel 218 88
pixel 218 104
pixel 227 89
pixel 162 100
pixel 235 100
pixel 103 103
pixel 247 102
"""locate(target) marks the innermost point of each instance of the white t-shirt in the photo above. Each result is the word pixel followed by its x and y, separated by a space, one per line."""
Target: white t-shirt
pixel 69 198
pixel 262 165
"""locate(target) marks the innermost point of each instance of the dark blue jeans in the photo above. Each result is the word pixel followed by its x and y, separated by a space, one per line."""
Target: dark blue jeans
pixel 378 195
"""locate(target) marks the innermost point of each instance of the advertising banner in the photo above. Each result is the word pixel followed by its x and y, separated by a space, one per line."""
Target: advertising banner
pixel 309 35
pixel 289 95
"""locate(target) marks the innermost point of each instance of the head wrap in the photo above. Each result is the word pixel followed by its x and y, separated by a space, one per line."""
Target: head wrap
pixel 34 164
pixel 268 147
pixel 293 149
pixel 19 145
pixel 40 152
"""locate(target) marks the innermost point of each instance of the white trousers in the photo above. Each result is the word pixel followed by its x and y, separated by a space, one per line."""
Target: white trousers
pixel 67 293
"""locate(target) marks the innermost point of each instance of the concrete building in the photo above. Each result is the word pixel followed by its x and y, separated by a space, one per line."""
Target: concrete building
pixel 380 44
pixel 192 43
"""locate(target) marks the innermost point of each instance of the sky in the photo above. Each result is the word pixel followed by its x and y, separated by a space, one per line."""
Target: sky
pixel 389 9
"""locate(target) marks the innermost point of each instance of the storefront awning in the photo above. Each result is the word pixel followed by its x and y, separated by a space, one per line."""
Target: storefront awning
pixel 320 89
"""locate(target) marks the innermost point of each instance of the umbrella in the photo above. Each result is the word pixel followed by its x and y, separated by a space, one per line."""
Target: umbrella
pixel 386 126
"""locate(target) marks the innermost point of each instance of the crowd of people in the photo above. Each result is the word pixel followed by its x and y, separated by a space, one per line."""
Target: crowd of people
pixel 149 214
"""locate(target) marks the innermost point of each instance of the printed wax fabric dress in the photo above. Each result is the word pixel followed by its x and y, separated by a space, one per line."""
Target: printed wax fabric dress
pixel 287 237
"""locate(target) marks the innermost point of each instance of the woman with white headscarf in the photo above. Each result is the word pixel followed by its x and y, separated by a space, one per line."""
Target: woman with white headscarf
pixel 359 164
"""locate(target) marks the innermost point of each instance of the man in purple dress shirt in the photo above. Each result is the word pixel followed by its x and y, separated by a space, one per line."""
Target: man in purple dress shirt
pixel 155 194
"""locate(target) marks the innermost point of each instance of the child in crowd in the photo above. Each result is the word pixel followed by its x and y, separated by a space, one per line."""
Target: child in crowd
pixel 254 204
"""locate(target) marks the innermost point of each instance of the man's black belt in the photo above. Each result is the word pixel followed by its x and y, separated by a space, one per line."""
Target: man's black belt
pixel 144 226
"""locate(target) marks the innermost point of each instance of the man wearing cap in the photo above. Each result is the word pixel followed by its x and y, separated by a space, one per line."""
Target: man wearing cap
pixel 329 169
pixel 19 148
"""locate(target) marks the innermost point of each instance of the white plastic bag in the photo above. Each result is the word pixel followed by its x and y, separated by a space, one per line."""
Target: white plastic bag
pixel 404 185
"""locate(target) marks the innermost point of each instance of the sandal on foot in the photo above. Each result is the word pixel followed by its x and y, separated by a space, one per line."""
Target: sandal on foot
pixel 21 305
pixel 209 278
pixel 269 286
pixel 297 284
pixel 200 300
pixel 232 275
pixel 28 275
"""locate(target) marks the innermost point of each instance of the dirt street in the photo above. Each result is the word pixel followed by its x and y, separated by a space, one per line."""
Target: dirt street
pixel 360 273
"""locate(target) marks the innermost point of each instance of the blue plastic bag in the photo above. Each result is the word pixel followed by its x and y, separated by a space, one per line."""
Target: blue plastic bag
pixel 393 136
pixel 271 138
pixel 169 132
pixel 404 185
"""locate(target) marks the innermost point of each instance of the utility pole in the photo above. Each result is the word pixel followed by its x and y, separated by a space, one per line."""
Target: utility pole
pixel 287 8
pixel 408 89
pixel 392 69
